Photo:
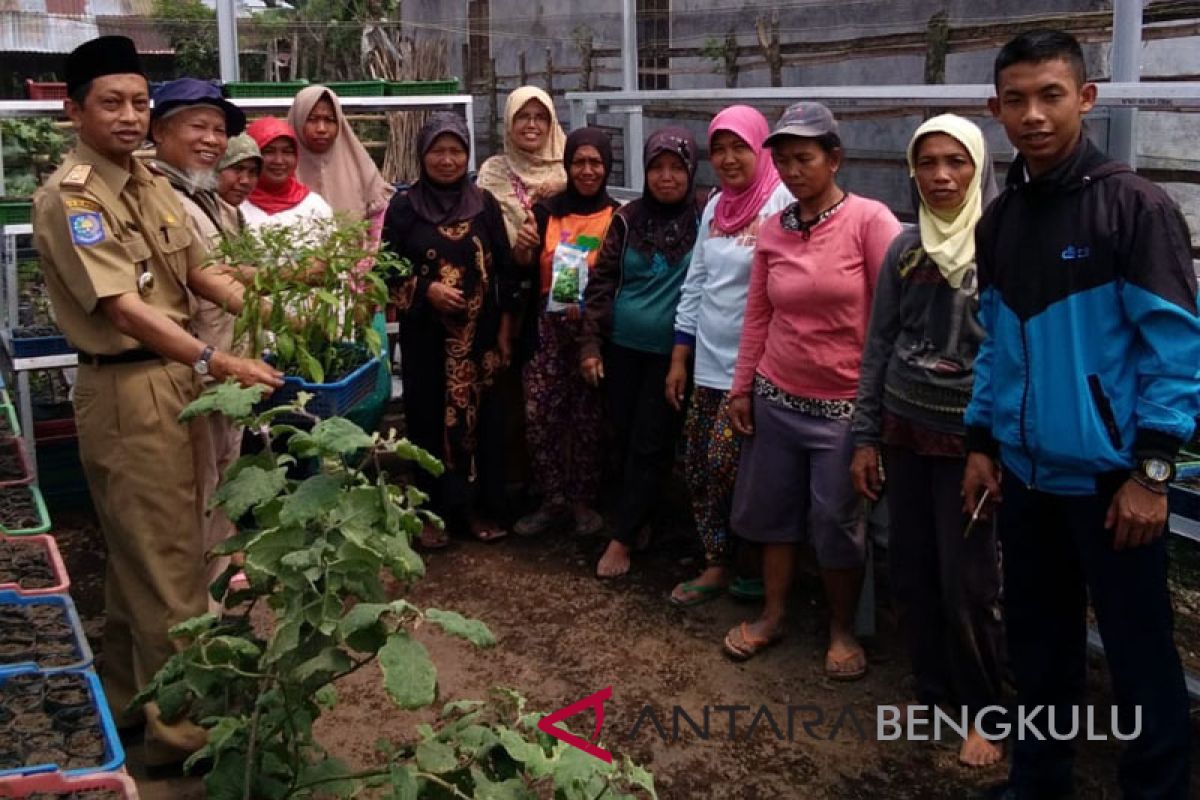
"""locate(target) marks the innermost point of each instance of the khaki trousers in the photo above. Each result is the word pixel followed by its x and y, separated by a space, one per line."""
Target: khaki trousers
pixel 138 459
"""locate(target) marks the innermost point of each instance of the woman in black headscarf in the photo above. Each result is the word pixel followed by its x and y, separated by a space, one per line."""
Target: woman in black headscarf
pixel 455 328
pixel 562 413
pixel 646 255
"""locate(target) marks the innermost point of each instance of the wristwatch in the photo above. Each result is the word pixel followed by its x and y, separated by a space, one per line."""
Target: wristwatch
pixel 1154 474
pixel 201 364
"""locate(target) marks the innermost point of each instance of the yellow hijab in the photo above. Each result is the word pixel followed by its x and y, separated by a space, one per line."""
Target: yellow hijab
pixel 512 178
pixel 949 238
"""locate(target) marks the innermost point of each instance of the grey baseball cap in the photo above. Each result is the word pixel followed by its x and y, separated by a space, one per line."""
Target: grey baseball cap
pixel 805 118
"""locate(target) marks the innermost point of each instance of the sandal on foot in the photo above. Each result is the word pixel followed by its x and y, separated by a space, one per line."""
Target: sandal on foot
pixel 851 668
pixel 588 523
pixel 433 538
pixel 699 594
pixel 544 520
pixel 750 645
pixel 489 534
pixel 747 589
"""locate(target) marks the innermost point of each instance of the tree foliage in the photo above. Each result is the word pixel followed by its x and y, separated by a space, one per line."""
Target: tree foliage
pixel 191 27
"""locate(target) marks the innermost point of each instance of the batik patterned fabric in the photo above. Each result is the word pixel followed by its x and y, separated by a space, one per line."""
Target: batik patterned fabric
pixel 711 451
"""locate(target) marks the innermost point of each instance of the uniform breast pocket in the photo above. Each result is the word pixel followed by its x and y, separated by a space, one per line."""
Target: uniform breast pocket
pixel 136 248
pixel 173 238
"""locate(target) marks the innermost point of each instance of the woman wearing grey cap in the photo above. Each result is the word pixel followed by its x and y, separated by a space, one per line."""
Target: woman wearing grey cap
pixel 811 282
pixel 238 169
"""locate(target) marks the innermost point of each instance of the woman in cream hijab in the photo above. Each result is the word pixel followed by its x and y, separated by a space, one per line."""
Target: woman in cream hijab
pixel 916 378
pixel 333 162
pixel 530 168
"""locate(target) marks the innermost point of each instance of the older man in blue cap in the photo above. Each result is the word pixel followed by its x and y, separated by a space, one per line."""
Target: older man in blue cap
pixel 190 125
pixel 121 265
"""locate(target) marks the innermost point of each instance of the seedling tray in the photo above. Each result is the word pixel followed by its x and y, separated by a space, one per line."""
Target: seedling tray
pixel 329 399
pixel 42 633
pixel 65 723
pixel 32 566
pixel 357 88
pixel 54 784
pixel 15 469
pixel 23 511
pixel 9 426
pixel 411 88
pixel 15 212
pixel 258 89
pixel 37 342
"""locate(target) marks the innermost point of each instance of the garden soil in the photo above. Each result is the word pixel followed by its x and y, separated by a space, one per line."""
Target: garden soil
pixel 564 635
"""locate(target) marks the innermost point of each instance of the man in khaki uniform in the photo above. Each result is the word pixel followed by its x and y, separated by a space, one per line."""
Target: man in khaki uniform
pixel 120 262
pixel 191 124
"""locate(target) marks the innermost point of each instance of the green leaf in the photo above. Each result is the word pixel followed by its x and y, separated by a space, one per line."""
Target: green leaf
pixel 401 559
pixel 263 555
pixel 326 770
pixel 226 398
pixel 408 673
pixel 310 368
pixel 456 624
pixel 284 640
pixel 231 650
pixel 252 487
pixel 403 779
pixel 233 544
pixel 363 617
pixel 536 762
pixel 285 346
pixel 436 757
pixel 460 707
pixel 326 697
pixel 173 700
pixel 324 665
pixel 193 627
pixel 487 789
pixel 312 497
pixel 639 776
pixel 226 780
pixel 340 436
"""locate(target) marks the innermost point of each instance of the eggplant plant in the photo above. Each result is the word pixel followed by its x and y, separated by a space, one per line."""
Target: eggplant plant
pixel 328 559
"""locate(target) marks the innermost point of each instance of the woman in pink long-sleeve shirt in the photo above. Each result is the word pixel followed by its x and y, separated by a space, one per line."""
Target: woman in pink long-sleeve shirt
pixel 811 285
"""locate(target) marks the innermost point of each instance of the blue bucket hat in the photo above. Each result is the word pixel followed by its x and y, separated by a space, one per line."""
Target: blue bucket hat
pixel 195 92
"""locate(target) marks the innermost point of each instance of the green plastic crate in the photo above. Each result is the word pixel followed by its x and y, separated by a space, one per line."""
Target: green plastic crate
pixel 357 88
pixel 10 414
pixel 39 505
pixel 258 89
pixel 410 88
pixel 15 212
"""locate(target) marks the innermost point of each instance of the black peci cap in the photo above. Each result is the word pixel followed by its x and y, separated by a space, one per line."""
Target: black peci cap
pixel 106 55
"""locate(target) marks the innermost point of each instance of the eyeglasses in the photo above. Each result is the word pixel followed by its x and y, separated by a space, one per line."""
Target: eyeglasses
pixel 538 118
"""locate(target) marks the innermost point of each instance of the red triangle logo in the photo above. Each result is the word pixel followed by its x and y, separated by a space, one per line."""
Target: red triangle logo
pixel 549 724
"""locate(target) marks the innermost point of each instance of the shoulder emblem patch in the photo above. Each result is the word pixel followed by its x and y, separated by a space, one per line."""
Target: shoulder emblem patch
pixel 77 175
pixel 87 227
pixel 80 204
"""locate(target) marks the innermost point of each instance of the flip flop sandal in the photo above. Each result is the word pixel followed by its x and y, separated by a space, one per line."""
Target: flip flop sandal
pixel 833 672
pixel 747 589
pixel 489 535
pixel 701 594
pixel 751 645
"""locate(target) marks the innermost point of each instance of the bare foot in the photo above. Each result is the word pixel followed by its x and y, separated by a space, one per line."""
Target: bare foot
pixel 614 562
pixel 977 751
pixel 845 660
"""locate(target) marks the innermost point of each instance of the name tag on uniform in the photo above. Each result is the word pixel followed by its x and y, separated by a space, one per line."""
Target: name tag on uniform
pixel 87 227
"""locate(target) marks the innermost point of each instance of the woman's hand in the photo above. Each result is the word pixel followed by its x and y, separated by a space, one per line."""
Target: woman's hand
pixel 527 235
pixel 741 417
pixel 865 472
pixel 593 370
pixel 677 378
pixel 446 299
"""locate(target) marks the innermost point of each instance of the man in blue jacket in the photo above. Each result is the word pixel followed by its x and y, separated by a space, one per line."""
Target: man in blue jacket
pixel 1085 388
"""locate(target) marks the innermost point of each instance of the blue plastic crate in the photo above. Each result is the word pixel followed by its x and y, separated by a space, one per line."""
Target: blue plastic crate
pixel 38 346
pixel 114 753
pixel 83 651
pixel 329 399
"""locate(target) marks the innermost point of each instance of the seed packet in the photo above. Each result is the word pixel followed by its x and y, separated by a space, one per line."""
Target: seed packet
pixel 569 277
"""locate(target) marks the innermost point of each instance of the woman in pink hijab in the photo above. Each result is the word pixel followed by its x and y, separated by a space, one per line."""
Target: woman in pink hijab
pixel 708 326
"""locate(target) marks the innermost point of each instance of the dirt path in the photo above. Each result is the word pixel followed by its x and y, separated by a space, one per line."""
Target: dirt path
pixel 564 635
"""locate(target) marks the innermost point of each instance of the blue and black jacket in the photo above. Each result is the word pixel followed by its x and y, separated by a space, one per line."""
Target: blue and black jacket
pixel 1092 356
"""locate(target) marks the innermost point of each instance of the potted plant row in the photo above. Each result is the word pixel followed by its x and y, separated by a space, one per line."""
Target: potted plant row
pixel 324 284
pixel 32 566
pixel 41 632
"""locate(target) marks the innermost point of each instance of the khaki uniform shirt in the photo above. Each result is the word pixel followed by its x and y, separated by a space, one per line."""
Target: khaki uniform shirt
pixel 103 231
pixel 211 323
